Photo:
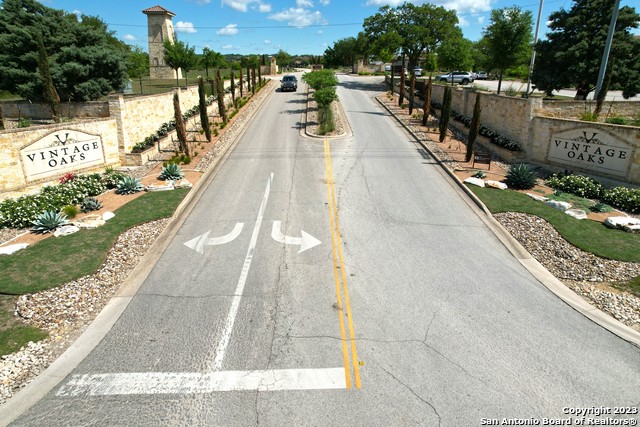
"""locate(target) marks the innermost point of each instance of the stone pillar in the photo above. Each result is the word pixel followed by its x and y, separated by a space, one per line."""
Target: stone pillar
pixel 117 110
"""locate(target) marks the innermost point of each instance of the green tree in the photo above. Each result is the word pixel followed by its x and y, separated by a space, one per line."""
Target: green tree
pixel 320 79
pixel 222 110
pixel 283 59
pixel 575 43
pixel 455 53
pixel 49 94
pixel 181 131
pixel 138 64
pixel 445 113
pixel 421 29
pixel 211 59
pixel 474 129
pixel 343 53
pixel 204 114
pixel 508 39
pixel 85 60
pixel 179 55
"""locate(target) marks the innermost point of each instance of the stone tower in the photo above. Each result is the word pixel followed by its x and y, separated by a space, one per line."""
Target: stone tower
pixel 160 29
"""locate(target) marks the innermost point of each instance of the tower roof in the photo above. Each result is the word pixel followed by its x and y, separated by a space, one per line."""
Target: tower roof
pixel 158 10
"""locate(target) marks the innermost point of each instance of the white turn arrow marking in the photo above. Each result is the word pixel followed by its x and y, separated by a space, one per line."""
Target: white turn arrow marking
pixel 307 241
pixel 203 240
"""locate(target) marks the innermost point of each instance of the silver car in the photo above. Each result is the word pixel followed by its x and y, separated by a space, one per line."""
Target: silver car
pixel 462 77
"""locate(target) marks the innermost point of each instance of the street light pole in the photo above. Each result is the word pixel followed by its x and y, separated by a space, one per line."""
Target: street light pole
pixel 533 49
pixel 607 48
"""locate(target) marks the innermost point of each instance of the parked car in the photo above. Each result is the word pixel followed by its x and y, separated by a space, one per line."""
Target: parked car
pixel 482 75
pixel 418 71
pixel 289 82
pixel 462 77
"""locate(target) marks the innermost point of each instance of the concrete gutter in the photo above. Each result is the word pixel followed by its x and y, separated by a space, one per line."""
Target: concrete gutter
pixel 102 324
pixel 532 265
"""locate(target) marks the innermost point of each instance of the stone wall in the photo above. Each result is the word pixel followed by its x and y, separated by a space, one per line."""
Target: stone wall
pixel 573 109
pixel 131 120
pixel 13 177
pixel 42 111
pixel 525 121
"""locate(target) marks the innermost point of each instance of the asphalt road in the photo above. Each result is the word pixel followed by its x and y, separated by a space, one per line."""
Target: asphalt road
pixel 409 311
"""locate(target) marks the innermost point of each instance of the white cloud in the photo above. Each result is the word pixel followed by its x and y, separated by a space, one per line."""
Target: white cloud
pixel 129 38
pixel 267 42
pixel 299 17
pixel 304 3
pixel 481 20
pixel 185 27
pixel 320 32
pixel 392 3
pixel 243 5
pixel 229 30
pixel 324 2
pixel 227 46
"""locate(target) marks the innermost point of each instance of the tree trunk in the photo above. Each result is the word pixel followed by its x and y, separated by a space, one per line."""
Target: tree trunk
pixel 474 128
pixel 204 116
pixel 499 82
pixel 180 129
pixel 426 109
pixel 141 92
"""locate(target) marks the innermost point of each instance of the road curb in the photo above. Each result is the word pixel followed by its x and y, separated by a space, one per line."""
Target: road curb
pixel 111 312
pixel 532 265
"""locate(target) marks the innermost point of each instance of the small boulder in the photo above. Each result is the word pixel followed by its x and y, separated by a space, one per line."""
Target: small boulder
pixel 496 184
pixel 576 213
pixel 108 215
pixel 561 206
pixel 183 183
pixel 65 230
pixel 538 198
pixel 165 187
pixel 623 223
pixel 474 181
pixel 8 250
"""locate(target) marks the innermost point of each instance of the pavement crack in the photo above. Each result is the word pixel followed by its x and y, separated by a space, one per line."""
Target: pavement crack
pixel 426 402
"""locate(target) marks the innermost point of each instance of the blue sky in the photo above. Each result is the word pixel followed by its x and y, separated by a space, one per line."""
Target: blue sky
pixel 266 26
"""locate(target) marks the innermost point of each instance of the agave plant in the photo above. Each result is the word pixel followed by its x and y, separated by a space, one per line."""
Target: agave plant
pixel 49 221
pixel 521 177
pixel 129 185
pixel 172 171
pixel 90 204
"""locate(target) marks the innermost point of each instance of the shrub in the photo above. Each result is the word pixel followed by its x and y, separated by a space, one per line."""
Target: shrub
pixel 624 198
pixel 49 221
pixel 600 207
pixel 616 121
pixel 90 204
pixel 129 185
pixel 579 185
pixel 171 171
pixel 110 178
pixel 479 174
pixel 521 177
pixel 67 177
pixel 588 116
pixel 70 211
pixel 24 122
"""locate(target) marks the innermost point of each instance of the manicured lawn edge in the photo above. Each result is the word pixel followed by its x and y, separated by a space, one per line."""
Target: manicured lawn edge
pixel 590 236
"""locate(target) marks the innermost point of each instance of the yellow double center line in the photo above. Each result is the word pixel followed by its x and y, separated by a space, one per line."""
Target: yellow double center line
pixel 341 278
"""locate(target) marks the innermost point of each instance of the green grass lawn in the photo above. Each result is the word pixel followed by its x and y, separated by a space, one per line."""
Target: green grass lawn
pixel 590 236
pixel 56 261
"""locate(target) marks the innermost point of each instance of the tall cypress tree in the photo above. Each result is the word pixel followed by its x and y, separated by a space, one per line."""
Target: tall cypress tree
pixel 426 109
pixel 474 128
pixel 222 110
pixel 233 90
pixel 180 128
pixel 240 83
pixel 49 92
pixel 445 113
pixel 204 116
